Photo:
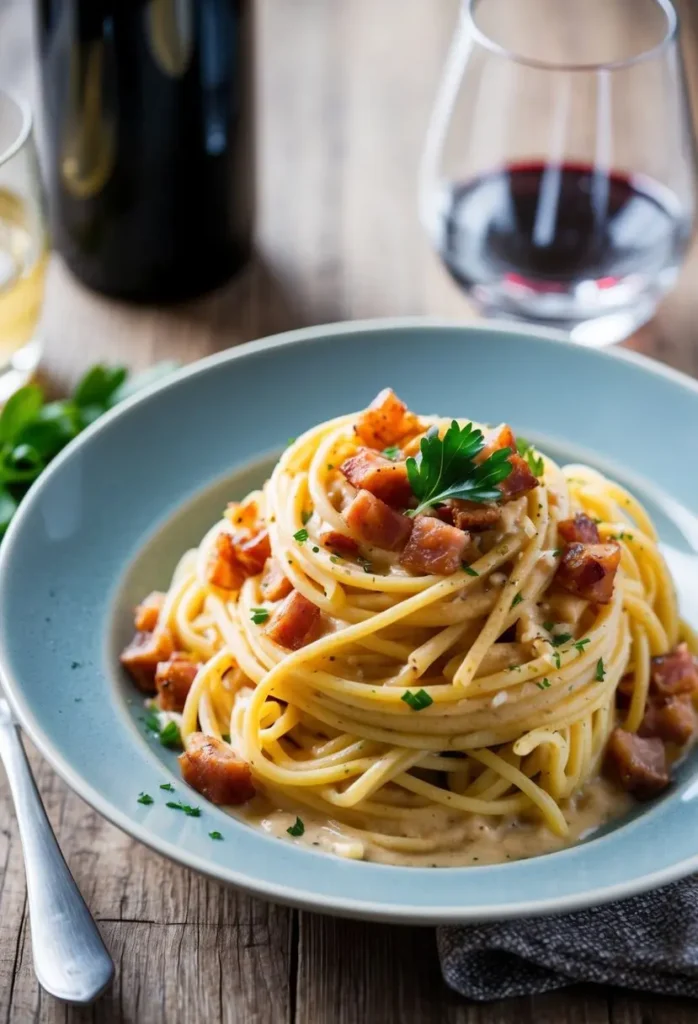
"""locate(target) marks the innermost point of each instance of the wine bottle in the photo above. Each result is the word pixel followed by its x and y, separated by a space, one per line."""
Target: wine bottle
pixel 148 121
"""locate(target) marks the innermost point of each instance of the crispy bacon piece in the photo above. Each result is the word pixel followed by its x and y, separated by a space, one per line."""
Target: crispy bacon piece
pixel 637 762
pixel 672 720
pixel 434 547
pixel 521 479
pixel 148 612
pixel 294 623
pixel 275 583
pixel 469 515
pixel 215 771
pixel 236 558
pixel 173 679
pixel 371 471
pixel 580 530
pixel 141 657
pixel 386 421
pixel 377 523
pixel 589 570
pixel 674 673
pixel 243 515
pixel 338 542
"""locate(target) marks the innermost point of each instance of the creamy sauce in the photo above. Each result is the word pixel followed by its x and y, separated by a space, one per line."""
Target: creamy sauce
pixel 457 840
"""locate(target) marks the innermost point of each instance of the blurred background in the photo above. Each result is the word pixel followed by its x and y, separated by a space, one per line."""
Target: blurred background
pixel 344 93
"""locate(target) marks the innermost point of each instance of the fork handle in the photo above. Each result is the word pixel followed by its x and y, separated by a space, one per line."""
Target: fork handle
pixel 70 959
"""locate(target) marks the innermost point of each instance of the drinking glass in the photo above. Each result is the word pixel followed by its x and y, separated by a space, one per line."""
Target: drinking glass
pixel 557 182
pixel 23 246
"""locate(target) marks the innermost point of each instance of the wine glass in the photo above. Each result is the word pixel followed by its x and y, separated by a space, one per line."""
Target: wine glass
pixel 557 181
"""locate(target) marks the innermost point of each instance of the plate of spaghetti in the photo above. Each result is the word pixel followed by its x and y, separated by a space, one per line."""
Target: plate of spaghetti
pixel 431 658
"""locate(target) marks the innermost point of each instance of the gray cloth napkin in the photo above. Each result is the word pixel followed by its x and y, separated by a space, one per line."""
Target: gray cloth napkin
pixel 648 942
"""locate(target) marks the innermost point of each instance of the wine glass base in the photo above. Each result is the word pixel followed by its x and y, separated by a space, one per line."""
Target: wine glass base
pixel 595 332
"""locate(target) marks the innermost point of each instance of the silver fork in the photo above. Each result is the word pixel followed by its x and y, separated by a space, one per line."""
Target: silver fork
pixel 70 959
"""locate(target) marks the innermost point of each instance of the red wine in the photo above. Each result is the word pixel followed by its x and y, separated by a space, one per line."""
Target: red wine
pixel 148 118
pixel 552 237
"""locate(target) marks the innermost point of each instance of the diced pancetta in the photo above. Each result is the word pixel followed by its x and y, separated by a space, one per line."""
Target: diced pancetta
pixel 434 547
pixel 386 421
pixel 294 623
pixel 371 471
pixel 215 771
pixel 148 612
pixel 237 557
pixel 589 571
pixel 470 515
pixel 521 479
pixel 173 680
pixel 674 673
pixel 141 657
pixel 376 523
pixel 580 530
pixel 673 720
pixel 339 543
pixel 275 584
pixel 637 762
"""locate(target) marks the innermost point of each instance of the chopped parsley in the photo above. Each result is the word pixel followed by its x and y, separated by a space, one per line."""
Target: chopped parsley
pixel 393 453
pixel 215 835
pixel 145 798
pixel 528 452
pixel 225 737
pixel 417 701
pixel 447 469
pixel 548 626
pixel 600 671
pixel 581 644
pixel 306 517
pixel 152 721
pixel 259 615
pixel 335 559
pixel 290 441
pixel 557 552
pixel 556 658
pixel 297 829
pixel 168 787
pixel 169 736
pixel 517 600
pixel 177 805
pixel 469 570
pixel 315 549
pixel 560 639
pixel 301 536
pixel 543 684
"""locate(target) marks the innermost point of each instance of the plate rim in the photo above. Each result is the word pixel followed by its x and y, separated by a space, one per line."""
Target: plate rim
pixel 302 898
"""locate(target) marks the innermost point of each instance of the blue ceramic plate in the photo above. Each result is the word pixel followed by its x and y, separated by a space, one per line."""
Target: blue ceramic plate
pixel 108 520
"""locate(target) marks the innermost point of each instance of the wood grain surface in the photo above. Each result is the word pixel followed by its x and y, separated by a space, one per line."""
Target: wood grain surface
pixel 345 89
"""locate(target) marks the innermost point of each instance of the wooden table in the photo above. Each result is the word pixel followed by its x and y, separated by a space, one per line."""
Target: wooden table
pixel 345 91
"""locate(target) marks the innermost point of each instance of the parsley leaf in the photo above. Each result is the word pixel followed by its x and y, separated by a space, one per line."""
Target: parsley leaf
pixel 305 517
pixel 560 639
pixel 152 721
pixel 301 536
pixel 528 452
pixel 446 468
pixel 548 625
pixel 169 736
pixel 393 453
pixel 168 787
pixel 600 671
pixel 259 615
pixel 177 805
pixel 297 829
pixel 417 701
pixel 468 569
pixel 145 798
pixel 581 644
pixel 543 684
pixel 215 835
pixel 556 658
pixel 517 600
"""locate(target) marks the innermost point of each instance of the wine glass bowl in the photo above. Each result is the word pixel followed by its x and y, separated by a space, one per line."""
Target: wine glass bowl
pixel 557 181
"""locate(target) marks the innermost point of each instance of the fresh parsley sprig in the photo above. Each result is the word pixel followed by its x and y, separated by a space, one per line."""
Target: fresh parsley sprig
pixel 446 468
pixel 529 453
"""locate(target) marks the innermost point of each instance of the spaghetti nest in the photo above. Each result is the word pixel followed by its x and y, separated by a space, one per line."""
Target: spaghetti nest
pixel 487 691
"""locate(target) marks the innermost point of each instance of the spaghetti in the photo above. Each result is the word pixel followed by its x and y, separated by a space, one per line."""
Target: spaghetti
pixel 413 704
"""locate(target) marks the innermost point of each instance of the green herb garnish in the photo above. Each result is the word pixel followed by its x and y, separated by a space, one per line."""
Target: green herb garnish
pixel 259 615
pixel 528 452
pixel 417 701
pixel 469 570
pixel 560 639
pixel 145 798
pixel 517 600
pixel 600 671
pixel 306 517
pixel 152 721
pixel 393 453
pixel 297 829
pixel 335 559
pixel 446 468
pixel 557 552
pixel 177 805
pixel 548 625
pixel 168 787
pixel 543 684
pixel 215 835
pixel 581 644
pixel 556 659
pixel 225 736
pixel 301 536
pixel 169 735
